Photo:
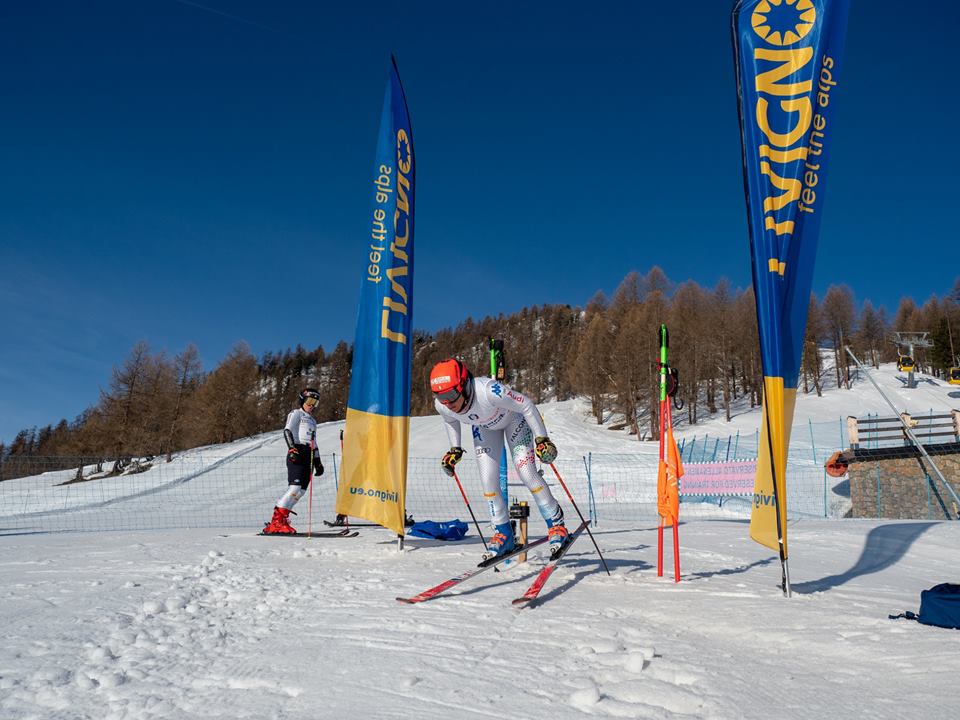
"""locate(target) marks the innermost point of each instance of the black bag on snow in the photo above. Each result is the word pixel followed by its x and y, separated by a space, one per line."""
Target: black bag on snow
pixel 939 606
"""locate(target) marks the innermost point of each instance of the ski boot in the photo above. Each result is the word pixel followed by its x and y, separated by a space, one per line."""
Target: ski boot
pixel 556 531
pixel 502 541
pixel 279 524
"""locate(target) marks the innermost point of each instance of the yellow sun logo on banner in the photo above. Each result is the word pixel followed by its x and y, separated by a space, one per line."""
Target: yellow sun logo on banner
pixel 805 16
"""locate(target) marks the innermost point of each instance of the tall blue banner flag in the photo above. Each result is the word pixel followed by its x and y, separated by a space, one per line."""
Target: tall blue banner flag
pixel 376 435
pixel 788 56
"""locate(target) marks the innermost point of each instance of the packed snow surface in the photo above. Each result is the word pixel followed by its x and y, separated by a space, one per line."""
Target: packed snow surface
pixel 214 623
pixel 191 624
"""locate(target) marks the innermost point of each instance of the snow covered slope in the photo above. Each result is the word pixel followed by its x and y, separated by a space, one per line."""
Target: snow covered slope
pixel 229 485
pixel 213 623
pixel 203 624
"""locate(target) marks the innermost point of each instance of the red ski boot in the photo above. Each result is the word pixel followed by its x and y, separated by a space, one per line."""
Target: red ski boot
pixel 279 525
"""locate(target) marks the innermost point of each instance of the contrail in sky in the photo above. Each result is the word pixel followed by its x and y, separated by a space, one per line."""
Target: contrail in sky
pixel 227 15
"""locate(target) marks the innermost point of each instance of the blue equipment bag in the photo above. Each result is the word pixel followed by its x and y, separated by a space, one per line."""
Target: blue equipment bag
pixel 453 530
pixel 939 606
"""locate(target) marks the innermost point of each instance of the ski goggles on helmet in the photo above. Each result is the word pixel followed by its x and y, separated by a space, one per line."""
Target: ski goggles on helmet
pixel 449 397
pixel 310 402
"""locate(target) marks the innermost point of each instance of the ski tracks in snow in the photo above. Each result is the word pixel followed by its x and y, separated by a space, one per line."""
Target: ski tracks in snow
pixel 593 663
pixel 612 669
pixel 165 626
pixel 170 655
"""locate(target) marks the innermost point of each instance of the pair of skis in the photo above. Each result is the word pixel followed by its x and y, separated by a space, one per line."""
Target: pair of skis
pixel 532 592
pixel 338 534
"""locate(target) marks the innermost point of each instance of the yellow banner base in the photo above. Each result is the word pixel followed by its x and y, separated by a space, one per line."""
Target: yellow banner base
pixel 373 485
pixel 778 407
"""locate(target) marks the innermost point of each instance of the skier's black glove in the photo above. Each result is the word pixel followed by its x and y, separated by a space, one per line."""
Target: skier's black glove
pixel 293 455
pixel 317 465
pixel 545 449
pixel 451 459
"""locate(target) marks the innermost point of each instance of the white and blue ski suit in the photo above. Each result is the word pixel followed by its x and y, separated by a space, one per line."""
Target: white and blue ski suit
pixel 500 414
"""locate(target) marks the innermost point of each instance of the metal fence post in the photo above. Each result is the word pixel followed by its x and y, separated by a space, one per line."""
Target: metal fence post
pixel 826 505
pixel 591 500
pixel 813 443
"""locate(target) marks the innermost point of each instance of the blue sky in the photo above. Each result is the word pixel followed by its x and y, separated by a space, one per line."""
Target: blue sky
pixel 181 172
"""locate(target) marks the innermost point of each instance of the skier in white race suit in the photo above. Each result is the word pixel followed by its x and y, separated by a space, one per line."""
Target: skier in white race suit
pixel 303 461
pixel 497 414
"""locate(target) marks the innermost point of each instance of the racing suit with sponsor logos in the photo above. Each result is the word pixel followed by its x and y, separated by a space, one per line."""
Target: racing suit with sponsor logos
pixel 499 414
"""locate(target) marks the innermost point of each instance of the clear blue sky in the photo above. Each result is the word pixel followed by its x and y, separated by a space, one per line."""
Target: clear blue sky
pixel 181 172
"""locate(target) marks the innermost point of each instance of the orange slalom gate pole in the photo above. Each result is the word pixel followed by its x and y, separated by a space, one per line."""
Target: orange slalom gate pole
pixel 660 549
pixel 676 520
pixel 676 551
pixel 660 526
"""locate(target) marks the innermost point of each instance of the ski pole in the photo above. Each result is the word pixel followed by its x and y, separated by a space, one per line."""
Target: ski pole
pixel 467 502
pixel 313 444
pixel 582 519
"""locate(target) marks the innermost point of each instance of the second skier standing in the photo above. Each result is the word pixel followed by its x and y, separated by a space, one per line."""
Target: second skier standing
pixel 303 460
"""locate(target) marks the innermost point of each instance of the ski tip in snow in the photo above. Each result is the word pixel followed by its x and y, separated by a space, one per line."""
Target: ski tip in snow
pixel 533 592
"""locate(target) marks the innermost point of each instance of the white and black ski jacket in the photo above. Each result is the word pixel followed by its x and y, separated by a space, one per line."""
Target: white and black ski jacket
pixel 300 431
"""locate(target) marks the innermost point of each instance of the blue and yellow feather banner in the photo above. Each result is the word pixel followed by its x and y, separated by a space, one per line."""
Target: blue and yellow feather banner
pixel 788 54
pixel 376 435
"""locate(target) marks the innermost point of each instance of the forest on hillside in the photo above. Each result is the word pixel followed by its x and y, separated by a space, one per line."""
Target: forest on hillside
pixel 155 404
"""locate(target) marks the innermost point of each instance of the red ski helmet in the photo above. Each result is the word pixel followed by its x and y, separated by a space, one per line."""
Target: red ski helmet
pixel 449 380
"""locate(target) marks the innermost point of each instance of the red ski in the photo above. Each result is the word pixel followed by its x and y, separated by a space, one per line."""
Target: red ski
pixel 534 590
pixel 482 567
